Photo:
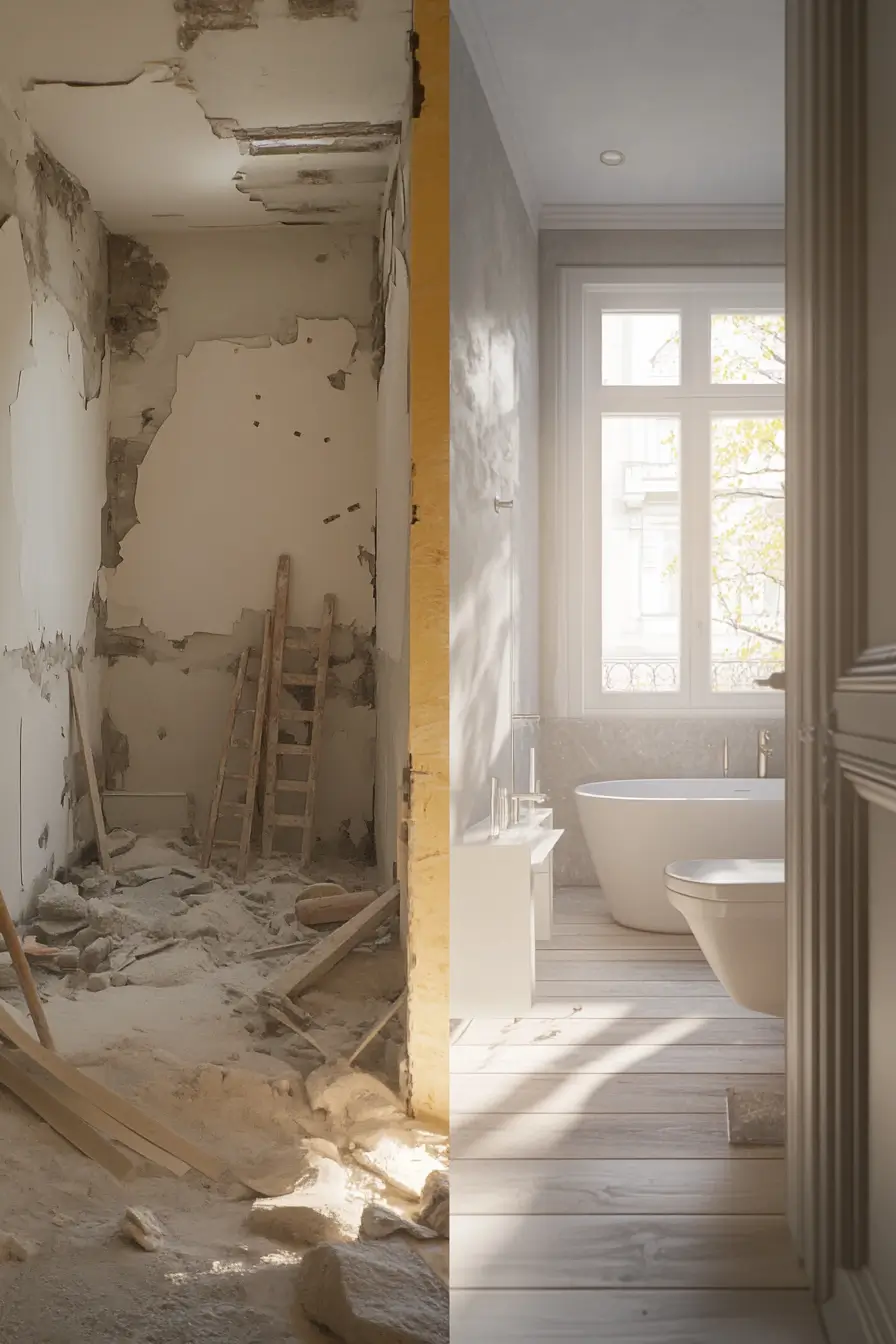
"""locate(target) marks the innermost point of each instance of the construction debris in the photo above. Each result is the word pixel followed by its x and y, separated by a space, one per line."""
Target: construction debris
pixel 435 1210
pixel 142 1227
pixel 191 1065
pixel 374 1293
pixel 331 906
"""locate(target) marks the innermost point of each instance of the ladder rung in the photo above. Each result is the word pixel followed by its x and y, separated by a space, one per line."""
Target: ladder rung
pixel 301 715
pixel 237 809
pixel 299 678
pixel 292 749
pixel 291 821
pixel 293 785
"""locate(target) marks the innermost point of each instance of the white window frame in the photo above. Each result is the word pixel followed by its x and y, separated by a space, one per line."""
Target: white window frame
pixel 582 400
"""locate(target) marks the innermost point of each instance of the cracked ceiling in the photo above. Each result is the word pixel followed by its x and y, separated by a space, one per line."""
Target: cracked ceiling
pixel 218 113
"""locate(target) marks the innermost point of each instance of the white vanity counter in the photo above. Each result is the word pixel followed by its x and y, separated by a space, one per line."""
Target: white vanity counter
pixel 501 902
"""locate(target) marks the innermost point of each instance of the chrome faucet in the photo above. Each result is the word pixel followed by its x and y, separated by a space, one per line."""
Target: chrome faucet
pixel 763 753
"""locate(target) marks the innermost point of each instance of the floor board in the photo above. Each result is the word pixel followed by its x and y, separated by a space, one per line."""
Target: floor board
pixel 649 1054
pixel 595 1196
pixel 622 1251
pixel 629 990
pixel 598 1094
pixel 693 1186
pixel 630 967
pixel 691 1031
pixel 620 1316
pixel 571 1135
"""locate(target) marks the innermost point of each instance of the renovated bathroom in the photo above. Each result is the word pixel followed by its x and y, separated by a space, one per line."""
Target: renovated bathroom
pixel 618 949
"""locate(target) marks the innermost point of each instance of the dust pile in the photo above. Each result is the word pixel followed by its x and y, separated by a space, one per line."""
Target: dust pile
pixel 157 991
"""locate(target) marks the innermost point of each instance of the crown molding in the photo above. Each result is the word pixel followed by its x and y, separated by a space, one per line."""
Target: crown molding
pixel 469 20
pixel 662 217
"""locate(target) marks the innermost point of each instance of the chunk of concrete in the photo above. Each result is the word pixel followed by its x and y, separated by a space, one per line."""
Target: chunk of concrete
pixel 378 1222
pixel 62 901
pixel 436 1204
pixel 97 983
pixel 16 1249
pixel 374 1293
pixel 350 1097
pixel 95 954
pixel 143 1228
pixel 320 1206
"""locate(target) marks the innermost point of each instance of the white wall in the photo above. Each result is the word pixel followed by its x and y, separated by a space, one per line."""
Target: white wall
pixel 393 518
pixel 52 483
pixel 270 327
pixel 494 449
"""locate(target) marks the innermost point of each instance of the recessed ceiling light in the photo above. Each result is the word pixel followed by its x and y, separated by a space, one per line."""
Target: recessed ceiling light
pixel 612 158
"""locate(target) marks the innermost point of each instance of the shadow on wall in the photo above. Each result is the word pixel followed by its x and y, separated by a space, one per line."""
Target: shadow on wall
pixel 583 751
pixel 481 632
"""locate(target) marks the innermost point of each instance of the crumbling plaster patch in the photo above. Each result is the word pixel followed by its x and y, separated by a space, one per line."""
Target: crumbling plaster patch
pixel 136 285
pixel 202 16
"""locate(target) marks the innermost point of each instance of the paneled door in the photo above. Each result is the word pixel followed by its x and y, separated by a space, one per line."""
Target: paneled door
pixel 841 653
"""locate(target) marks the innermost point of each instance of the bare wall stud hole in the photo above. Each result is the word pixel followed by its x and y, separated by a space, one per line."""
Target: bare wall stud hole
pixel 297 433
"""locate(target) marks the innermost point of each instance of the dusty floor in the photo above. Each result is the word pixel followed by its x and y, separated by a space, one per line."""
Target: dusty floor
pixel 184 1037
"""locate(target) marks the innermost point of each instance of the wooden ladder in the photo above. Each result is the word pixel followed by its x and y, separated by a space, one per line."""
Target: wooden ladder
pixel 247 779
pixel 277 781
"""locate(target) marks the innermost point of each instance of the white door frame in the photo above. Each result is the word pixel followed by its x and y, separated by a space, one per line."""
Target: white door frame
pixel 841 711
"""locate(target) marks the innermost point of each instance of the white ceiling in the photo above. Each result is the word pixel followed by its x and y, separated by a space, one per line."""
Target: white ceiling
pixel 147 126
pixel 692 92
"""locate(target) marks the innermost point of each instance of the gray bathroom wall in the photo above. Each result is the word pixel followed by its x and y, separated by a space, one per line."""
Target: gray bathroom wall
pixel 584 751
pixel 494 449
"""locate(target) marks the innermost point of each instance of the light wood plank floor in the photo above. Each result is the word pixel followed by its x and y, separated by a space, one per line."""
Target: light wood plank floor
pixel 594 1193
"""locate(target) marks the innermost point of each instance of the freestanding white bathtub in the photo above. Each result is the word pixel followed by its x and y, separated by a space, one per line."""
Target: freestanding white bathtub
pixel 635 827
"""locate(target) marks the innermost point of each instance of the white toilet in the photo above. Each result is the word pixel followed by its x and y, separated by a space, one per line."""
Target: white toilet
pixel 735 910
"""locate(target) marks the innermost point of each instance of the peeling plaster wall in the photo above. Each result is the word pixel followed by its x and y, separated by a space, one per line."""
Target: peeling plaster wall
pixel 393 519
pixel 494 450
pixel 242 426
pixel 53 422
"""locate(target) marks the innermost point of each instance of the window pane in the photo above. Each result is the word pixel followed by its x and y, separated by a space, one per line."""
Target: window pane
pixel 748 348
pixel 640 349
pixel 747 550
pixel 641 553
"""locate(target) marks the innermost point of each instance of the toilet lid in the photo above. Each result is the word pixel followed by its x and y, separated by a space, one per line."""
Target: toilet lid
pixel 759 880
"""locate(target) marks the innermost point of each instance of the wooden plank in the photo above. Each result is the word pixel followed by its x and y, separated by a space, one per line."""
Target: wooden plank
pixel 293 749
pixel 574 1135
pixel 335 909
pixel 298 678
pixel 671 1251
pixel 597 1094
pixel 317 730
pixel 242 862
pixel 378 1026
pixel 93 788
pixel 129 1115
pixel 626 1316
pixel 637 1057
pixel 686 1185
pixel 10 935
pixel 218 792
pixel 105 1124
pixel 65 1122
pixel 624 1031
pixel 278 635
pixel 308 969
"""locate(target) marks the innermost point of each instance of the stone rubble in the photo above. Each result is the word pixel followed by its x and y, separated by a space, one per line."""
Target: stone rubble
pixel 374 1293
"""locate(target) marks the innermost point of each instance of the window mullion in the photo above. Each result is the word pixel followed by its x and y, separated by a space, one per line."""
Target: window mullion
pixel 696 601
